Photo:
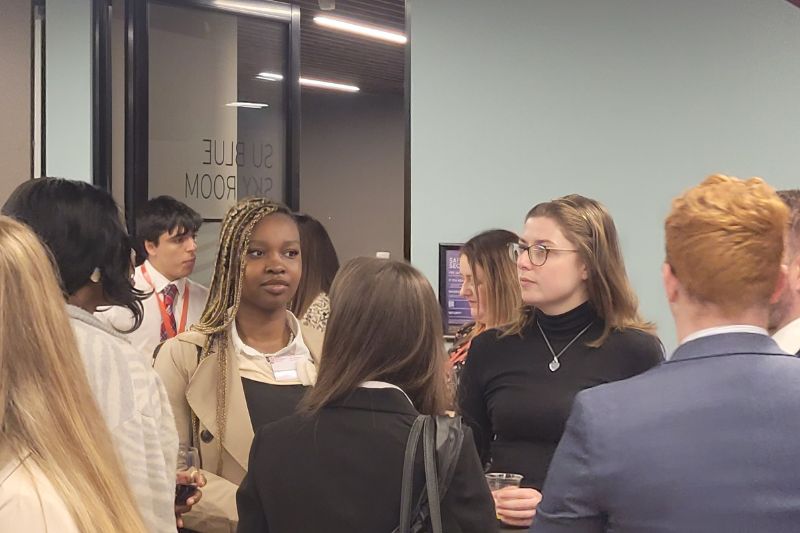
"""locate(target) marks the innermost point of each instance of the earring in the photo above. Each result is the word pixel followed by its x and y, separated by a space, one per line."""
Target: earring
pixel 96 275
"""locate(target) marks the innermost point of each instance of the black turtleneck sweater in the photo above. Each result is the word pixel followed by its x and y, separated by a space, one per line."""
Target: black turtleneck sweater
pixel 518 407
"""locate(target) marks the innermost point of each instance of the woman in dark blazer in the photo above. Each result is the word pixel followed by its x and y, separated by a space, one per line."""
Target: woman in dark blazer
pixel 336 466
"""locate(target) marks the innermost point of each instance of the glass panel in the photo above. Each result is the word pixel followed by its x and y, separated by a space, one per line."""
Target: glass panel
pixel 217 130
pixel 206 148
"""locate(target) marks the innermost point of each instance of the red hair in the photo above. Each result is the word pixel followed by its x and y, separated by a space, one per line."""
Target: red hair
pixel 724 241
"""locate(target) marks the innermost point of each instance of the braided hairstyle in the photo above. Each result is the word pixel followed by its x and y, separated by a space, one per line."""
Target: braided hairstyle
pixel 226 292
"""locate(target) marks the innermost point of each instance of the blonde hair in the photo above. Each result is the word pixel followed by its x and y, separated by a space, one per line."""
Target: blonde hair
pixel 489 252
pixel 48 409
pixel 225 293
pixel 587 224
pixel 724 241
pixel 385 325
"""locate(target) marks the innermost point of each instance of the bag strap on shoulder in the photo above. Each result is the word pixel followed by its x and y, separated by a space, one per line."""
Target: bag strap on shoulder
pixel 408 475
pixel 432 476
pixel 442 438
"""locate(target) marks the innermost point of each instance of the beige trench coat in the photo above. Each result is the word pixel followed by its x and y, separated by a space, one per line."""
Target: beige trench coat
pixel 192 389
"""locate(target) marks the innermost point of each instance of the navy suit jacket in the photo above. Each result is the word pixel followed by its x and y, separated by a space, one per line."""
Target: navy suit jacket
pixel 708 441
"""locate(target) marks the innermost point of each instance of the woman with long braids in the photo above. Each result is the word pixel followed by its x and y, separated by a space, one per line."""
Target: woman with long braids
pixel 247 362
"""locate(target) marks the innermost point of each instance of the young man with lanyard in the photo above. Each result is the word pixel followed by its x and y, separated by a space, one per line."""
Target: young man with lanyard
pixel 166 233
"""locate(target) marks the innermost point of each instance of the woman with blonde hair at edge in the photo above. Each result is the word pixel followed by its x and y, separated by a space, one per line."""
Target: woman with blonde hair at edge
pixel 59 471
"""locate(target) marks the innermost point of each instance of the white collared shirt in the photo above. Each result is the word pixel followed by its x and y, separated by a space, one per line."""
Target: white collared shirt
pixel 720 330
pixel 148 335
pixel 788 337
pixel 384 385
pixel 255 365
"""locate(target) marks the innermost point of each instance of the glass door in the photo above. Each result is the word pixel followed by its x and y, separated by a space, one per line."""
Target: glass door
pixel 212 107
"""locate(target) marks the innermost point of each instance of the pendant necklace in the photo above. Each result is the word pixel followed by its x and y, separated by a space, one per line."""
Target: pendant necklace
pixel 555 364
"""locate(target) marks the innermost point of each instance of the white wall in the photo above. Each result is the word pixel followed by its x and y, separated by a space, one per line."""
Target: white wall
pixel 627 101
pixel 351 169
pixel 68 87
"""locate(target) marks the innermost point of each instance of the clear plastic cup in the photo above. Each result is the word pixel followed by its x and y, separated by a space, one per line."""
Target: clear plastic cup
pixel 500 480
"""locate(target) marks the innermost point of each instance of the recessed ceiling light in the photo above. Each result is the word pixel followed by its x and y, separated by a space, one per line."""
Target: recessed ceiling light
pixel 329 85
pixel 269 76
pixel 360 29
pixel 248 105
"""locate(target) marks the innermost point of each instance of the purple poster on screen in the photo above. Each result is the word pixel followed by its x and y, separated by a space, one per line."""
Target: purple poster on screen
pixel 457 310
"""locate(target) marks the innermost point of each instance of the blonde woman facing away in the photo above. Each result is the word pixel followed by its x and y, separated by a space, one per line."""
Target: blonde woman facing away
pixel 58 468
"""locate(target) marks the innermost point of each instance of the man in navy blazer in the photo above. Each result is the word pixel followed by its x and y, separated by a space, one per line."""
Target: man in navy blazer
pixel 709 441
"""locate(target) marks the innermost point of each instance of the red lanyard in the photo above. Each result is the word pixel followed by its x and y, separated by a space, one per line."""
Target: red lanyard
pixel 460 353
pixel 163 308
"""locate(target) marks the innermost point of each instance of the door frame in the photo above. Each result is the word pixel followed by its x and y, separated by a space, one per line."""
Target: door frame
pixel 137 92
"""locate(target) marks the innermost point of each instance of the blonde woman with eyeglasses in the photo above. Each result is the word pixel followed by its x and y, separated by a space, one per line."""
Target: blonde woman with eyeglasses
pixel 59 471
pixel 580 327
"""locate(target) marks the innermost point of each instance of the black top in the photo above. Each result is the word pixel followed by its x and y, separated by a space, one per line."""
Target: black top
pixel 340 471
pixel 518 407
pixel 268 403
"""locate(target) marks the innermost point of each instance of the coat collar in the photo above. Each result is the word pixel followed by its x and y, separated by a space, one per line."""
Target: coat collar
pixel 388 400
pixel 726 344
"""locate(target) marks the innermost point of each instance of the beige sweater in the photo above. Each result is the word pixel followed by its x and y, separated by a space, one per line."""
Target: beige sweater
pixel 28 501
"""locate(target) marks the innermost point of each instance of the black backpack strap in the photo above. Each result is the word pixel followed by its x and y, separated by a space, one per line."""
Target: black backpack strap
pixel 406 513
pixel 443 437
pixel 432 476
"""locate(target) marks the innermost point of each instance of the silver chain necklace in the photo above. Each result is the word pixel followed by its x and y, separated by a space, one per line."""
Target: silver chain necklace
pixel 555 364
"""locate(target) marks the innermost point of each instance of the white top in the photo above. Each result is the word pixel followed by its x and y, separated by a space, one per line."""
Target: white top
pixel 29 502
pixel 384 385
pixel 148 335
pixel 136 409
pixel 788 337
pixel 734 328
pixel 260 367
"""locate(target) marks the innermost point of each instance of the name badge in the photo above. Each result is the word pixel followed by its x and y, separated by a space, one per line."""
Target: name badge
pixel 284 367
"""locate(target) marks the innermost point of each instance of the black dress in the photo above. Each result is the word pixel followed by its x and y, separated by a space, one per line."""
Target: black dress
pixel 518 407
pixel 269 403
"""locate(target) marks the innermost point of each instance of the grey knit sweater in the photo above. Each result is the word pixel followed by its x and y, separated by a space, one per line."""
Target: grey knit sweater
pixel 136 408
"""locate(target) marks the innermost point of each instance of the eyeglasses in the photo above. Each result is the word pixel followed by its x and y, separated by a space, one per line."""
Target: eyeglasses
pixel 537 253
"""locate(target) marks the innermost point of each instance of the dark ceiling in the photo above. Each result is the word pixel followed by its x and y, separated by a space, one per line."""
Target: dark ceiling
pixel 374 66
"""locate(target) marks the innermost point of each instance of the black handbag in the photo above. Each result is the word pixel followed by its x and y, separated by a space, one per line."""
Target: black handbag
pixel 442 438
